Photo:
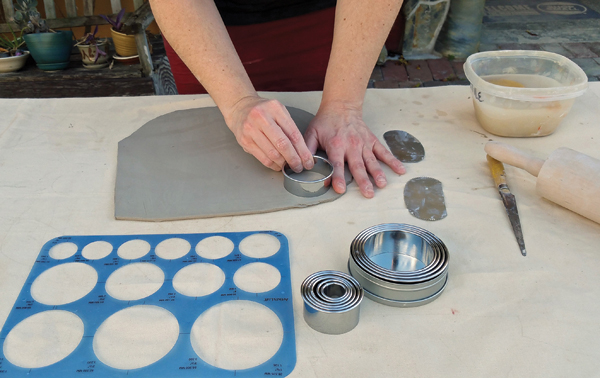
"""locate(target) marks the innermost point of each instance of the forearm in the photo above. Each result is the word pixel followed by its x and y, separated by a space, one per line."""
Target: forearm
pixel 196 31
pixel 361 28
pixel 262 127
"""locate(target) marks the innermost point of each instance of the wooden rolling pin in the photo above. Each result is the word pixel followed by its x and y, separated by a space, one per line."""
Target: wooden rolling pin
pixel 568 178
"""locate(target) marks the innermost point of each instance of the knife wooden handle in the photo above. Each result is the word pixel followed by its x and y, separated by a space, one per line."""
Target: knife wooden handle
pixel 497 169
pixel 514 156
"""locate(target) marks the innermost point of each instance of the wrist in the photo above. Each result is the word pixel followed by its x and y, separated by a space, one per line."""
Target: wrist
pixel 230 109
pixel 341 106
pixel 340 96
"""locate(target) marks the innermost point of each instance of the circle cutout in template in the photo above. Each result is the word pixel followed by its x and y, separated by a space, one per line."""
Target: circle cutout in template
pixel 133 249
pixel 260 245
pixel 135 281
pixel 214 247
pixel 97 250
pixel 136 337
pixel 173 248
pixel 198 280
pixel 64 284
pixel 237 335
pixel 63 251
pixel 257 277
pixel 43 339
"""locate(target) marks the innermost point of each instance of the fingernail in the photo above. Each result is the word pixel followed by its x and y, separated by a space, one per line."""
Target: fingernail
pixel 309 164
pixel 381 180
pixel 298 168
pixel 339 187
pixel 400 167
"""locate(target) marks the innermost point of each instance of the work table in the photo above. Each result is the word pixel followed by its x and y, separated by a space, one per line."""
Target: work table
pixel 501 314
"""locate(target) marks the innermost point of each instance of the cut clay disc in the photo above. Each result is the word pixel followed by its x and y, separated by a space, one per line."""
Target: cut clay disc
pixel 404 146
pixel 424 198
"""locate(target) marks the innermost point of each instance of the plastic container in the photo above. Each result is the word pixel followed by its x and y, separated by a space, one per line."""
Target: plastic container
pixel 520 93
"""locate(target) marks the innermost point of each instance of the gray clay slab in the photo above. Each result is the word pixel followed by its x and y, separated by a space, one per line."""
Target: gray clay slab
pixel 424 198
pixel 187 164
pixel 404 146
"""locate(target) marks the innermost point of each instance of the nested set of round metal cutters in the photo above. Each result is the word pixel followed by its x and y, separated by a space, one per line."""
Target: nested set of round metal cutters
pixel 399 264
pixel 331 301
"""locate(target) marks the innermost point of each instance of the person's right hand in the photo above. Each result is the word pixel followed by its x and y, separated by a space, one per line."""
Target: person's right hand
pixel 339 129
pixel 264 128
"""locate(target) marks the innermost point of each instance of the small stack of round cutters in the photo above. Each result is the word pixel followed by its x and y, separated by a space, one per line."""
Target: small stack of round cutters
pixel 331 301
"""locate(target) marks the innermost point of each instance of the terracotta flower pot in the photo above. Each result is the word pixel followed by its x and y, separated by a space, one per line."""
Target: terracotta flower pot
pixel 51 51
pixel 13 63
pixel 124 43
pixel 88 54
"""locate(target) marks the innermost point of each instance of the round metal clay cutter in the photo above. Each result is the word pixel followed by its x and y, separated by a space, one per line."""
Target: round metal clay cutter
pixel 309 183
pixel 331 301
pixel 399 264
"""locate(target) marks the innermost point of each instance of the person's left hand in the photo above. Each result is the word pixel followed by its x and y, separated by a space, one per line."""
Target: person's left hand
pixel 342 133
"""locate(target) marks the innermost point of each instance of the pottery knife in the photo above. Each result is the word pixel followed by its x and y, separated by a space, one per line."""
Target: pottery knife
pixel 510 203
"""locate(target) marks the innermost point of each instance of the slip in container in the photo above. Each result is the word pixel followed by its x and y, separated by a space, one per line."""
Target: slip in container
pixel 520 93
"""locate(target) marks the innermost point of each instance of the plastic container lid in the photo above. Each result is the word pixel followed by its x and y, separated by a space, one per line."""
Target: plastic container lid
pixel 573 81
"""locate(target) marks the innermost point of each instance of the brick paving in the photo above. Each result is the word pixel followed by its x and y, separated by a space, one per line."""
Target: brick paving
pixel 418 73
pixel 558 49
pixel 439 72
pixel 459 71
pixel 590 66
pixel 595 47
pixel 579 50
pixel 391 72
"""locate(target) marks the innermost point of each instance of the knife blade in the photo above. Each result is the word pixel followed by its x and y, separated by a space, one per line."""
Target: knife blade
pixel 510 203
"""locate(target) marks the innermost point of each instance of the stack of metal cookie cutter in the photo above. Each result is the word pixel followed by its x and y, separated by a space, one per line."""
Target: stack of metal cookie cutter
pixel 399 265
pixel 295 184
pixel 331 301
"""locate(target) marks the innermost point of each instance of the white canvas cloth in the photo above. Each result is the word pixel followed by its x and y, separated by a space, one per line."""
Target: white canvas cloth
pixel 501 315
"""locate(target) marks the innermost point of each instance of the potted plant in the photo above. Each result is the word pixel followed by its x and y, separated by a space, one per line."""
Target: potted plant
pixel 12 56
pixel 122 35
pixel 51 49
pixel 93 50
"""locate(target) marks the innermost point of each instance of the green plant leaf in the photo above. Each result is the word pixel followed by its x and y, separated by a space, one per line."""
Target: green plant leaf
pixel 5 43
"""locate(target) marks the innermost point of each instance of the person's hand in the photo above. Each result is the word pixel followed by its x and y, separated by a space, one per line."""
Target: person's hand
pixel 342 133
pixel 265 129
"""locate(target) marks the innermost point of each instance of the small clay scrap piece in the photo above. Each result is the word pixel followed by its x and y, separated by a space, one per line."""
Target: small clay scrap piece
pixel 187 164
pixel 424 198
pixel 404 146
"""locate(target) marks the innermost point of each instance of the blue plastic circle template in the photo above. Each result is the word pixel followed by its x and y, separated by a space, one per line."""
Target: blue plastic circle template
pixel 181 361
